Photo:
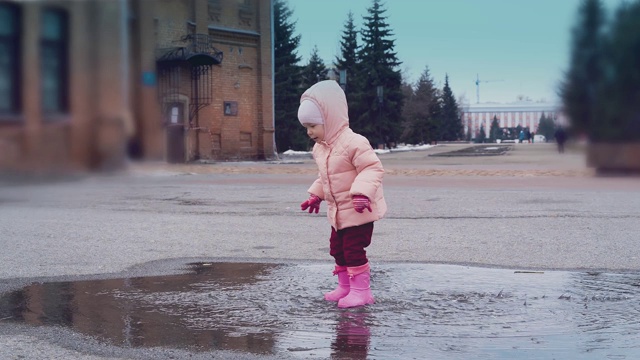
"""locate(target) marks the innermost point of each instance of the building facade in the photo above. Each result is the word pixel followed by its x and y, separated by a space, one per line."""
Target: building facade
pixel 81 87
pixel 215 82
pixel 524 114
pixel 63 84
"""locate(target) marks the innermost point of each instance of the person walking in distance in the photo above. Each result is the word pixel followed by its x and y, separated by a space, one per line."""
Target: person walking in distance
pixel 350 181
pixel 561 138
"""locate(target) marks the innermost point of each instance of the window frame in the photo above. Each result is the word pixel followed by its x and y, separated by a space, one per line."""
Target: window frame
pixel 61 47
pixel 14 43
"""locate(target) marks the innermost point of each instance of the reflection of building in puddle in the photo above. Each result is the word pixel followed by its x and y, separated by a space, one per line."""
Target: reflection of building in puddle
pixel 278 309
pixel 180 311
pixel 353 335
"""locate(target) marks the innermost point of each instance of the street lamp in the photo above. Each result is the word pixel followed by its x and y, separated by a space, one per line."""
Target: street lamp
pixel 342 80
pixel 380 94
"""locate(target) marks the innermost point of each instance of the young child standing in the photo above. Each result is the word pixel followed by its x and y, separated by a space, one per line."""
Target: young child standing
pixel 350 181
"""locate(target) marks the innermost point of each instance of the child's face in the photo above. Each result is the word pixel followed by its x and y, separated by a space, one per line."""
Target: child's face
pixel 315 132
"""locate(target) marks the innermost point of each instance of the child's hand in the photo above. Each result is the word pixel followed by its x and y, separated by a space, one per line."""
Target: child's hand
pixel 361 202
pixel 313 203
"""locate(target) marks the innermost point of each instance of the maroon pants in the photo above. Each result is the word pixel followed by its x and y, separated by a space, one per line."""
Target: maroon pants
pixel 347 245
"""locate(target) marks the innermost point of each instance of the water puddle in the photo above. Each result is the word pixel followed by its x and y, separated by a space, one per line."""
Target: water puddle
pixel 421 311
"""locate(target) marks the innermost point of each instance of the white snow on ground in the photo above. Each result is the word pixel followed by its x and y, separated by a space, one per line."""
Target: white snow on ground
pixel 294 152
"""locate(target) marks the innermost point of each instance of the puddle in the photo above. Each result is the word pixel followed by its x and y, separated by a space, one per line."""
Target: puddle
pixel 421 311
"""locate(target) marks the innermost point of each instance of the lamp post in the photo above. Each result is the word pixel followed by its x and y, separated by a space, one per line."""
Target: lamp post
pixel 342 80
pixel 380 96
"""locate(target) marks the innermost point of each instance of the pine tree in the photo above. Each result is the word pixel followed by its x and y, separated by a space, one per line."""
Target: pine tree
pixel 616 117
pixel 382 100
pixel 419 122
pixel 494 131
pixel 482 136
pixel 348 47
pixel 288 132
pixel 451 122
pixel 601 90
pixel 435 124
pixel 578 90
pixel 409 133
pixel 546 127
pixel 348 62
pixel 314 71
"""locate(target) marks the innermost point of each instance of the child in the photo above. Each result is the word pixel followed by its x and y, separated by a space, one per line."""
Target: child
pixel 350 180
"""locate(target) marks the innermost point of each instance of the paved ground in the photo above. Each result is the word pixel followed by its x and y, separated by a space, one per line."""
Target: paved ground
pixel 530 209
pixel 524 160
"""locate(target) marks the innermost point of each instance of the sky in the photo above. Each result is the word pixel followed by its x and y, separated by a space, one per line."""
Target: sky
pixel 514 47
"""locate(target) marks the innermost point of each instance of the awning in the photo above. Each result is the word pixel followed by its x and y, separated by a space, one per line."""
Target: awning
pixel 198 51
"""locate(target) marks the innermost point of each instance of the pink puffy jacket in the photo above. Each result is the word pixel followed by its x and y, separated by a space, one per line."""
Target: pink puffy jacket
pixel 347 164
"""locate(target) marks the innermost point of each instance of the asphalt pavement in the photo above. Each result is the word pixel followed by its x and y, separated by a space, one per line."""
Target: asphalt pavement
pixel 530 209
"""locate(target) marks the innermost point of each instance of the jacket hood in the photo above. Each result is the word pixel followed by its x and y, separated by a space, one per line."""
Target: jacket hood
pixel 332 102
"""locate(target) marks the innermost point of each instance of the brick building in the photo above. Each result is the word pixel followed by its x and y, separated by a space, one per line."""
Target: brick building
pixel 215 78
pixel 81 86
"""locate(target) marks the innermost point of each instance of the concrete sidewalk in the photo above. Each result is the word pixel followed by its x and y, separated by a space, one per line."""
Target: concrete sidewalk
pixel 511 211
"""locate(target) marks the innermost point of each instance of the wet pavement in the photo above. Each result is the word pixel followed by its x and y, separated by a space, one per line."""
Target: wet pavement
pixel 542 262
pixel 276 310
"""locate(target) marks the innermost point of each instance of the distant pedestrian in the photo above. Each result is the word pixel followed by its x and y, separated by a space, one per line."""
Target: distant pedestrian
pixel 350 180
pixel 533 137
pixel 561 138
pixel 521 136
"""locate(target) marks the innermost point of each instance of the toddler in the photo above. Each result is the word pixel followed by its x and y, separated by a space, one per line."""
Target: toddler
pixel 350 181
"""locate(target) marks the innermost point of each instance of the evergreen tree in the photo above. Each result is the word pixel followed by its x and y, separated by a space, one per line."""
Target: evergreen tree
pixel 435 123
pixel 546 127
pixel 482 136
pixel 380 108
pixel 451 122
pixel 419 122
pixel 287 80
pixel 348 61
pixel 408 135
pixel 495 132
pixel 616 117
pixel 578 90
pixel 314 71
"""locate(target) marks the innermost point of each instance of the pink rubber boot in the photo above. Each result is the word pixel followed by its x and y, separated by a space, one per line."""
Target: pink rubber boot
pixel 343 285
pixel 360 292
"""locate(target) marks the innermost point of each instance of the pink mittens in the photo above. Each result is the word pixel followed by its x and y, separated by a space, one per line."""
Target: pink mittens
pixel 313 203
pixel 361 202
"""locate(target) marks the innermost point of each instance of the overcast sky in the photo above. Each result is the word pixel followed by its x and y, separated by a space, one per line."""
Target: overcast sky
pixel 519 47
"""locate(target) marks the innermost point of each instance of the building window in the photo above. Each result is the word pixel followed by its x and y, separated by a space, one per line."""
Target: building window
pixel 10 70
pixel 54 39
pixel 245 12
pixel 214 5
pixel 215 9
pixel 175 113
pixel 246 6
pixel 230 108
